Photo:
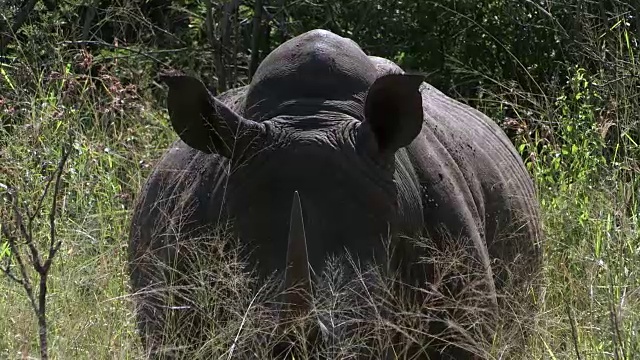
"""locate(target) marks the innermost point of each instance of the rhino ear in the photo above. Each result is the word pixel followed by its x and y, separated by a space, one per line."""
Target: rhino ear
pixel 393 110
pixel 202 121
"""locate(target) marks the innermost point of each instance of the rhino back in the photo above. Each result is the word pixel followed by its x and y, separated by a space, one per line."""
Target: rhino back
pixel 474 181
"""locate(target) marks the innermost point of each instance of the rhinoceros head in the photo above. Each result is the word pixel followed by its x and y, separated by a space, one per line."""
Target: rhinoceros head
pixel 336 145
pixel 345 168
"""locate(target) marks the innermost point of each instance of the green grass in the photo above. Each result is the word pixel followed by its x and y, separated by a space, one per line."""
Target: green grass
pixel 591 303
pixel 89 311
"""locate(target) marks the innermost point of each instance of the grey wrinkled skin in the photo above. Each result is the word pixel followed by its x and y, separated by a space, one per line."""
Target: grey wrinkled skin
pixel 371 150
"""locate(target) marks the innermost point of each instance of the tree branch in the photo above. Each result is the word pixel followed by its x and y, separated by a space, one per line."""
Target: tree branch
pixel 39 307
pixel 53 245
pixel 15 252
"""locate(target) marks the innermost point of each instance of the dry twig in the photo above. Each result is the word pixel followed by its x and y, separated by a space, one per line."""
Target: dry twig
pixel 21 235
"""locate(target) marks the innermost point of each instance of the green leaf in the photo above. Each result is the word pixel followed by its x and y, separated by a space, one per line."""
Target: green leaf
pixel 6 77
pixel 574 148
pixel 522 147
pixel 4 250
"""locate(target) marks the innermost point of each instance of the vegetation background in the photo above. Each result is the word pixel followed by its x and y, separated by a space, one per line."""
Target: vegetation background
pixel 560 76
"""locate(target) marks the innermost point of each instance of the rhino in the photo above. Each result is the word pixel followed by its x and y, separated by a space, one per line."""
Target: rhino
pixel 329 150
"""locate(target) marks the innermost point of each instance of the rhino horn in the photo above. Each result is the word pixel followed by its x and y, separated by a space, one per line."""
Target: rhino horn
pixel 297 283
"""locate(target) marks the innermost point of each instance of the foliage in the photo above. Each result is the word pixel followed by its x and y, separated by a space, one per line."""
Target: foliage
pixel 577 150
